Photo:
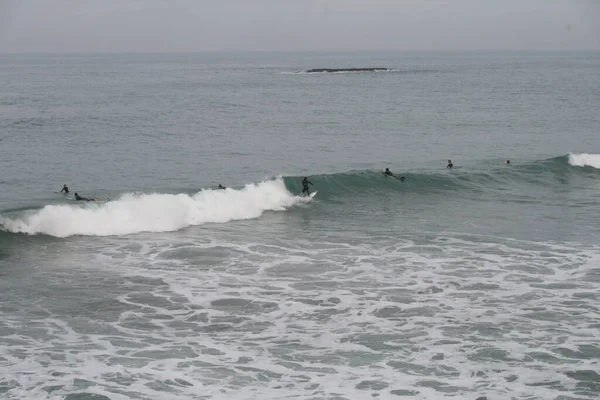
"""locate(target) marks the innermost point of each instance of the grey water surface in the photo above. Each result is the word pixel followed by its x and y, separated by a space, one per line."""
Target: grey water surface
pixel 480 281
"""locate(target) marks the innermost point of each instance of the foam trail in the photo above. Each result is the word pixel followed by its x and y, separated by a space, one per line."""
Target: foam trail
pixel 155 212
pixel 584 160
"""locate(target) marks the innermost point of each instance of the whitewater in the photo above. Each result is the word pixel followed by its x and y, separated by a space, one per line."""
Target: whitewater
pixel 134 213
pixel 584 160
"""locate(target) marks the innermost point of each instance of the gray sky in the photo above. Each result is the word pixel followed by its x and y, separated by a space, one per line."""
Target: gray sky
pixel 226 25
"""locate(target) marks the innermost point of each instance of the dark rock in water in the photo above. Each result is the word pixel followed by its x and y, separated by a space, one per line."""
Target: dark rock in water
pixel 346 70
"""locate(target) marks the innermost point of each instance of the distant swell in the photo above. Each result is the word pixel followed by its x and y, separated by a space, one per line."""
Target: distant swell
pixel 584 160
pixel 153 212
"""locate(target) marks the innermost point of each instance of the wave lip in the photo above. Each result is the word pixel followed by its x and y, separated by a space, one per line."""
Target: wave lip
pixel 584 160
pixel 155 212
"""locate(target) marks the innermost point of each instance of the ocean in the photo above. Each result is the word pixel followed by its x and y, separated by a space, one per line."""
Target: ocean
pixel 477 282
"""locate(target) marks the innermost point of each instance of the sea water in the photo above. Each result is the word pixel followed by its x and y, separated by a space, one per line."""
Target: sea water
pixel 478 282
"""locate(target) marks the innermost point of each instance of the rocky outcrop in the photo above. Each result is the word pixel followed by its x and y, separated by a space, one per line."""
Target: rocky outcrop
pixel 311 71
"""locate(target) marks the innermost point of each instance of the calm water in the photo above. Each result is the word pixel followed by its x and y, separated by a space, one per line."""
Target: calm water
pixel 478 282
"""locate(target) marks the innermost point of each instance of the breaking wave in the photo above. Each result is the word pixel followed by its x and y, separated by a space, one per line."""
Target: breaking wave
pixel 133 213
pixel 584 160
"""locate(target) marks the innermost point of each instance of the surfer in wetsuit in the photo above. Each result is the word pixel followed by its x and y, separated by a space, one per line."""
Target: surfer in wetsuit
pixel 507 162
pixel 450 165
pixel 79 198
pixel 221 187
pixel 305 183
pixel 65 189
pixel 389 173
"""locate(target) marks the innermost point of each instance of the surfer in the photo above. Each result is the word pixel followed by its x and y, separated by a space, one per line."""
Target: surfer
pixel 65 189
pixel 450 165
pixel 221 187
pixel 79 198
pixel 507 162
pixel 305 183
pixel 389 173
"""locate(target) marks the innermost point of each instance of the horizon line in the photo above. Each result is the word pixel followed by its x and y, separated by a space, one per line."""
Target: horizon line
pixel 533 50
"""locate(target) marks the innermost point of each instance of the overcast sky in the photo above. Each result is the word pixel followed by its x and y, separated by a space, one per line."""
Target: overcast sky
pixel 226 25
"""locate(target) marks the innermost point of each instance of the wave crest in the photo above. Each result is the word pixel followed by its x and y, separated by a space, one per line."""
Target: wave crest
pixel 584 160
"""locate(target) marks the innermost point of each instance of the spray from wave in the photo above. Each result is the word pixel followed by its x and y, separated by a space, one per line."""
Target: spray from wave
pixel 584 160
pixel 155 212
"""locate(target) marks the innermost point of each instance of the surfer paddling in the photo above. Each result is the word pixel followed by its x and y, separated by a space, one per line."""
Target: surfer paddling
pixel 450 165
pixel 305 183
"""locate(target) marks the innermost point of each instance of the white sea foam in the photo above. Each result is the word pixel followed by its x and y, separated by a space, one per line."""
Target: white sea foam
pixel 134 213
pixel 450 318
pixel 584 160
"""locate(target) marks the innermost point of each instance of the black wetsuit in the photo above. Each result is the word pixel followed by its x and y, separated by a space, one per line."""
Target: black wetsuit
pixel 222 187
pixel 79 198
pixel 305 183
pixel 65 189
pixel 450 165
pixel 388 173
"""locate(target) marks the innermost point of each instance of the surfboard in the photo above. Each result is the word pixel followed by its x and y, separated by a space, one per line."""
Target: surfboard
pixel 391 176
pixel 312 194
